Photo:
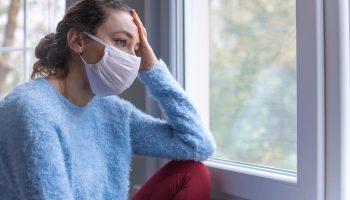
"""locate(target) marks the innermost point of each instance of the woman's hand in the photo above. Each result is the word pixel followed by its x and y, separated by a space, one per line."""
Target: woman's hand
pixel 145 51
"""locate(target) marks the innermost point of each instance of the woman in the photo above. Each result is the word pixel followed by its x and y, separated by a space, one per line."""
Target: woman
pixel 66 134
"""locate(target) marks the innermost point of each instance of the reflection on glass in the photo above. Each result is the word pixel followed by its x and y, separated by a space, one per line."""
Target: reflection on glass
pixel 253 81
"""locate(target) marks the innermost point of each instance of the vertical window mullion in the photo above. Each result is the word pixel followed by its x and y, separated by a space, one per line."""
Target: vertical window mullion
pixel 337 99
pixel 25 53
pixel 179 38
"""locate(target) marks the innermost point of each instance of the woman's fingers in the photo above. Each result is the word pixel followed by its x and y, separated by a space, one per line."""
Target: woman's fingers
pixel 145 51
pixel 141 28
pixel 145 31
pixel 136 18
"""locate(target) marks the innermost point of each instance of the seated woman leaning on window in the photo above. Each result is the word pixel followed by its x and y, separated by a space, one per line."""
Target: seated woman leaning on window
pixel 66 134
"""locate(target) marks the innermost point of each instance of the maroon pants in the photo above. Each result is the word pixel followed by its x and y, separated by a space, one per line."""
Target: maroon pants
pixel 177 180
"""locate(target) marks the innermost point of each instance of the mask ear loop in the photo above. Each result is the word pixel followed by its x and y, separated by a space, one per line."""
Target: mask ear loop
pixel 82 59
pixel 110 46
pixel 95 38
pixel 98 41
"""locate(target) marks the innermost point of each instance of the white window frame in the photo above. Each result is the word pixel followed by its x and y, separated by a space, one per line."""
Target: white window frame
pixel 337 99
pixel 256 182
pixel 323 99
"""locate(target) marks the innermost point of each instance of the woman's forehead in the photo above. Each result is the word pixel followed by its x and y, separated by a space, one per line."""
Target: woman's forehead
pixel 119 21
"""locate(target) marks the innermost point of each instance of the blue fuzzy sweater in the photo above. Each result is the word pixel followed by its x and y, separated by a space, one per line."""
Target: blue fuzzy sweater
pixel 53 149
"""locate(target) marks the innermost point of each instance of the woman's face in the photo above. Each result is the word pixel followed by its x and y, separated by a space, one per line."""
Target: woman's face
pixel 119 30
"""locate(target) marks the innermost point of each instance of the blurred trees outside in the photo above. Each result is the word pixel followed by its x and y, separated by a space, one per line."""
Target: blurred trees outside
pixel 19 36
pixel 7 29
pixel 253 81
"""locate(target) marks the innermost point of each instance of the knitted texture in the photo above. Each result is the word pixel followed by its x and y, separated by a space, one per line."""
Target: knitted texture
pixel 53 149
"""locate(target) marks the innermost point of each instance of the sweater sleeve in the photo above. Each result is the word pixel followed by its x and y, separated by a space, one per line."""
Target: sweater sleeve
pixel 182 135
pixel 32 157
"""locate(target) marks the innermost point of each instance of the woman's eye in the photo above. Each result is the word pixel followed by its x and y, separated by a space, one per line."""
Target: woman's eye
pixel 120 42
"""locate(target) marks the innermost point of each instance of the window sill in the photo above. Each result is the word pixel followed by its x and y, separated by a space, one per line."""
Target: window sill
pixel 273 174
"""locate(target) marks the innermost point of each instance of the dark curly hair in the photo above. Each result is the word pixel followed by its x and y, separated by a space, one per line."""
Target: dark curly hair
pixel 53 51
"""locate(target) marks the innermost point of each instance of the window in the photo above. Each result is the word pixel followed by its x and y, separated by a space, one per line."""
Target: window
pixel 252 81
pixel 22 24
pixel 255 71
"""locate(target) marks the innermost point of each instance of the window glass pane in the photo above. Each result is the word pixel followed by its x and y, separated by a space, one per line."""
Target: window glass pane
pixel 31 60
pixel 11 23
pixel 11 71
pixel 253 81
pixel 43 17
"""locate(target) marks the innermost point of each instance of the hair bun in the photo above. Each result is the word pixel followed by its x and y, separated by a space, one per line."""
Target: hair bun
pixel 44 46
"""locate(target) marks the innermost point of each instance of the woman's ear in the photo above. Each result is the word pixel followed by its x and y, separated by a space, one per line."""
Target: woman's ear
pixel 75 40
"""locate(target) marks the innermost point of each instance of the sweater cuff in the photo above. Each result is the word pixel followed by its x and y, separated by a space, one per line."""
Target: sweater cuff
pixel 158 78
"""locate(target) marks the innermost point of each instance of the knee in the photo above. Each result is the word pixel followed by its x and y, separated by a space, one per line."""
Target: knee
pixel 197 177
pixel 196 170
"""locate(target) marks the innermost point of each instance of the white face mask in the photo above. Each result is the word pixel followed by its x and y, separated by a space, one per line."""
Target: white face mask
pixel 114 73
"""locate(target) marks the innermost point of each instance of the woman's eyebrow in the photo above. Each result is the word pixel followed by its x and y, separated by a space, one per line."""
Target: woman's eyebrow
pixel 124 32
